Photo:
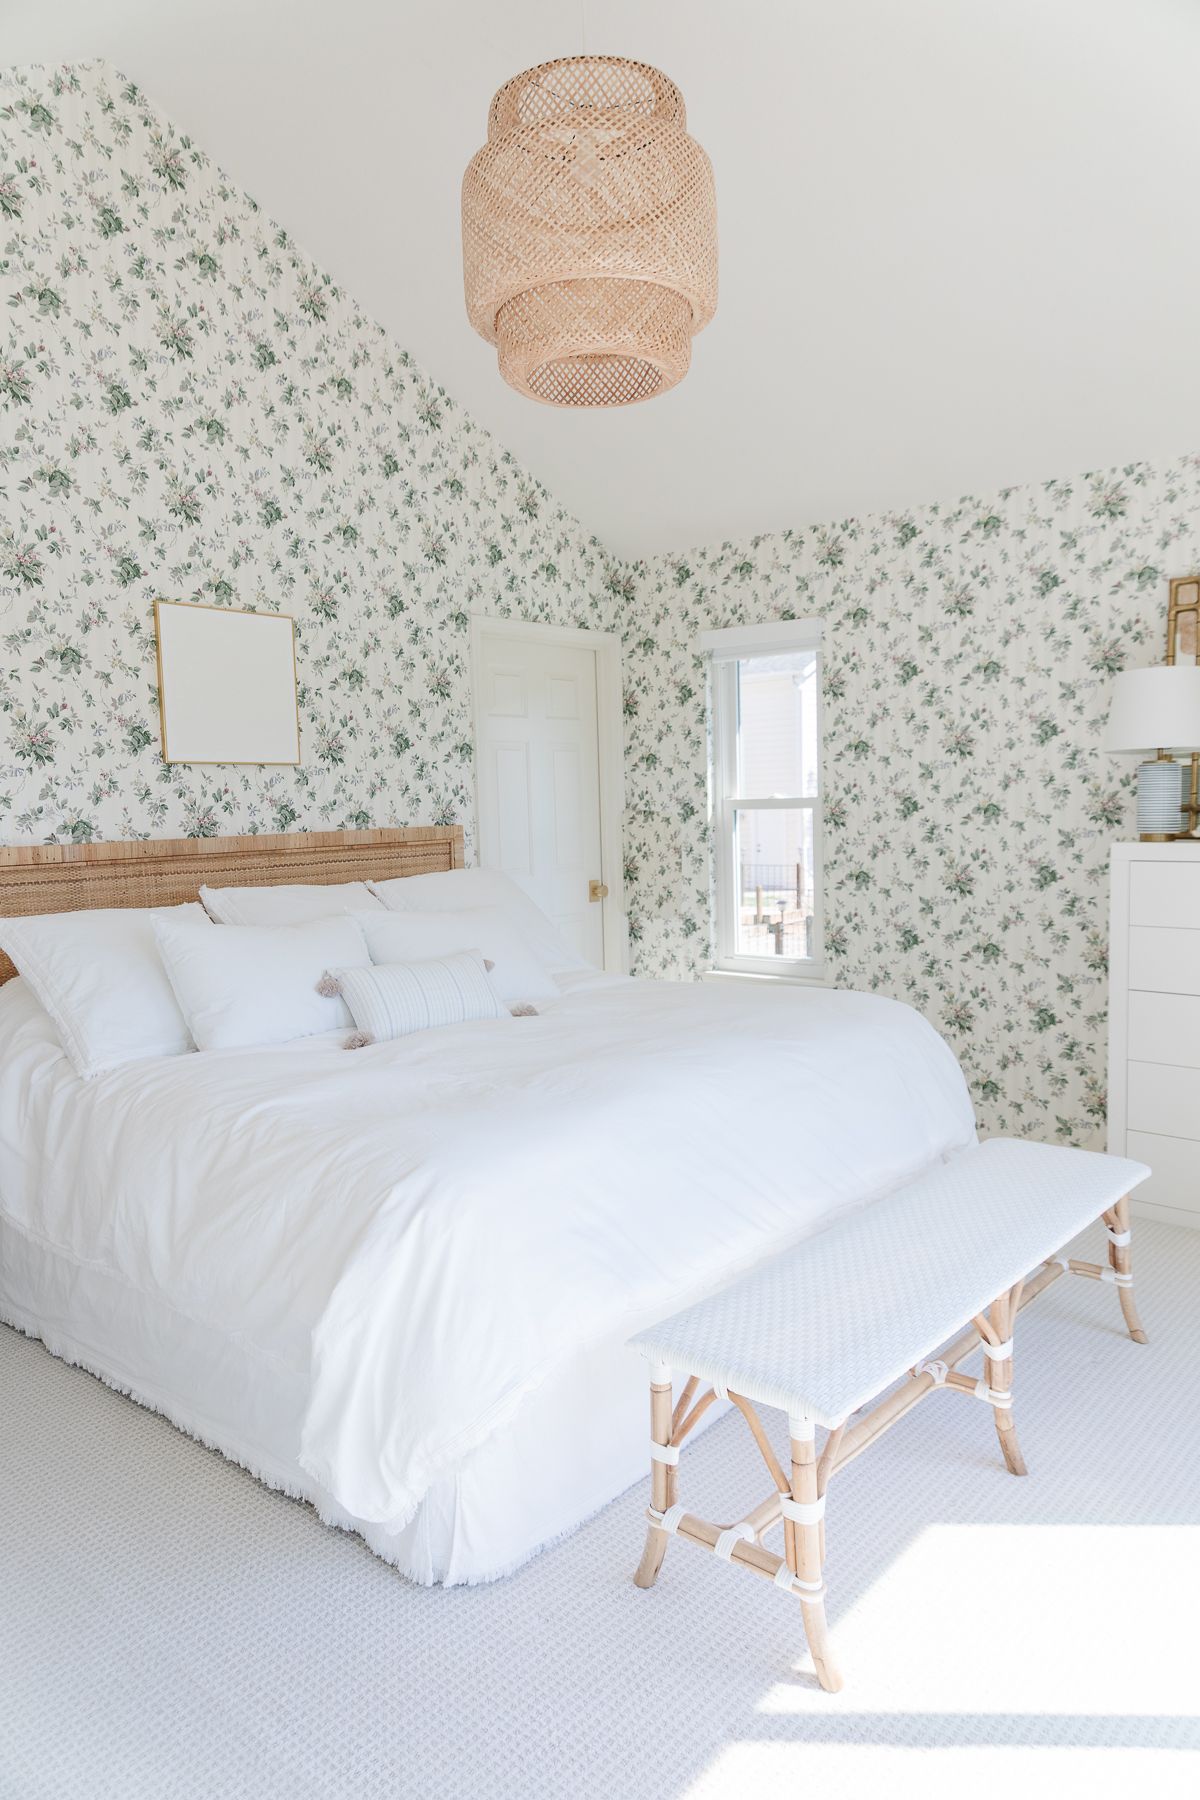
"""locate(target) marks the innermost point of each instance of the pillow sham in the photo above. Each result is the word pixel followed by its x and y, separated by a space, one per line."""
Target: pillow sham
pixel 287 905
pixel 244 985
pixel 392 1000
pixel 454 890
pixel 409 937
pixel 99 976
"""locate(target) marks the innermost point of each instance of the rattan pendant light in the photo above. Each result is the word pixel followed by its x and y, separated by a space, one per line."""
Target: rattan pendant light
pixel 590 233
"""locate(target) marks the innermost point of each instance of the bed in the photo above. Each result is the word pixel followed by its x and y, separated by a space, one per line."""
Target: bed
pixel 398 1284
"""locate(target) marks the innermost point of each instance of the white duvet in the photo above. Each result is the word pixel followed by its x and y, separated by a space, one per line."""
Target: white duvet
pixel 424 1230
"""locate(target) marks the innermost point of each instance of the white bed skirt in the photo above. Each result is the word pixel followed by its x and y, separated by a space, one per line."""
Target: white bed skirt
pixel 578 1441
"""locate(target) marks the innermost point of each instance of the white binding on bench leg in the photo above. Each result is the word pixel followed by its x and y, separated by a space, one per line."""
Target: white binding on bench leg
pixel 664 1453
pixel 998 1352
pixel 668 1521
pixel 1001 1397
pixel 938 1369
pixel 736 1534
pixel 792 1584
pixel 803 1512
pixel 1117 1277
pixel 1119 1238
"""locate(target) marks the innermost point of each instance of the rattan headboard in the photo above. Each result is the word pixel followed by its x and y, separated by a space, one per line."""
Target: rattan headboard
pixel 167 871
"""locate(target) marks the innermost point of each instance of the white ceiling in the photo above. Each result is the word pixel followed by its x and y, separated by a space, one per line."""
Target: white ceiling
pixel 959 241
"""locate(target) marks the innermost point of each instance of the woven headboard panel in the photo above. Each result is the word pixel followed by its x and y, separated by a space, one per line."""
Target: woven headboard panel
pixel 46 878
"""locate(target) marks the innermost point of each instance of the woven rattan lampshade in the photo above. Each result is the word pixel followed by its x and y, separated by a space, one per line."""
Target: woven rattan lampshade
pixel 590 233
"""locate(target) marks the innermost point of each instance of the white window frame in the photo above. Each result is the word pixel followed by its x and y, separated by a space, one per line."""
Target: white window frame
pixel 724 650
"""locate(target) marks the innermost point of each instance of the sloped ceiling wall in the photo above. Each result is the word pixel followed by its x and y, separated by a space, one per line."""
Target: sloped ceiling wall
pixel 957 239
pixel 191 409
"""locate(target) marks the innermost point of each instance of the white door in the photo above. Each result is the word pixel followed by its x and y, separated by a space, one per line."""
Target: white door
pixel 539 776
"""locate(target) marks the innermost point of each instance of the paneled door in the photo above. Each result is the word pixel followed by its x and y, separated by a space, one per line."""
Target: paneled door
pixel 538 775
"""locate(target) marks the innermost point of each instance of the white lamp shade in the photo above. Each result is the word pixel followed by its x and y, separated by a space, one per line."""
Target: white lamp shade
pixel 1155 709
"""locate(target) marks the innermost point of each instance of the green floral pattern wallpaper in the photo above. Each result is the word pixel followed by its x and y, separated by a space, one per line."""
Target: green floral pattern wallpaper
pixel 969 807
pixel 190 409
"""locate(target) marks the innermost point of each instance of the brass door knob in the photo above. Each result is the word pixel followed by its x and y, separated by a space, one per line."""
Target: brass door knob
pixel 597 890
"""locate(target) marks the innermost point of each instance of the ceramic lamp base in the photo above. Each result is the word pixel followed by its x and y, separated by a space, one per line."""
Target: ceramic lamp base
pixel 1160 799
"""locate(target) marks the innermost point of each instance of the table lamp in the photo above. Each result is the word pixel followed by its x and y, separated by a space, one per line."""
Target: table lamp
pixel 1153 712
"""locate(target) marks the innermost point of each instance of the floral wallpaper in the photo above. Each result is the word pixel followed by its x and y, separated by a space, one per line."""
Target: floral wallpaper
pixel 189 409
pixel 969 807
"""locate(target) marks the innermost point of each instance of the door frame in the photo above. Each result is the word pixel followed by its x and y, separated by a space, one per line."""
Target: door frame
pixel 610 746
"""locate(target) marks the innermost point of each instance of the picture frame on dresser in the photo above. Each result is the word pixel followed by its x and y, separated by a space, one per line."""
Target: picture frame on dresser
pixel 1154 1023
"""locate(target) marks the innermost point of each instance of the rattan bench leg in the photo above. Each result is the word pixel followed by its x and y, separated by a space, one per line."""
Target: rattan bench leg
pixel 662 1481
pixel 805 1555
pixel 1120 1261
pixel 652 1558
pixel 997 1328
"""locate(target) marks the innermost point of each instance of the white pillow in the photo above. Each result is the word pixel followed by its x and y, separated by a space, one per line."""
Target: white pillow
pixel 411 937
pixel 453 890
pixel 258 984
pixel 98 975
pixel 391 1000
pixel 287 905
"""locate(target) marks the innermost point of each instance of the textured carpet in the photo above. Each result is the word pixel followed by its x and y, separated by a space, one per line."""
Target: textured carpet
pixel 168 1628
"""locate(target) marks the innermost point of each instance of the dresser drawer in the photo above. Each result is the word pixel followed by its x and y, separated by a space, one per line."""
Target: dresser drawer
pixel 1175 1180
pixel 1163 1099
pixel 1165 1028
pixel 1164 960
pixel 1165 893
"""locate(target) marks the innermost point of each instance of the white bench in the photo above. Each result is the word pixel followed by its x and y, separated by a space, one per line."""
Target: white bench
pixel 943 1264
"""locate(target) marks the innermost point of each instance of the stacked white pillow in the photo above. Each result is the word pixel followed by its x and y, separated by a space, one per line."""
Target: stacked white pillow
pixel 456 890
pixel 287 905
pixel 128 983
pixel 99 976
pixel 244 985
pixel 412 937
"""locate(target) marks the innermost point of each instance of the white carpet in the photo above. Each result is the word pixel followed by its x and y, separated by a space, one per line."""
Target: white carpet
pixel 170 1629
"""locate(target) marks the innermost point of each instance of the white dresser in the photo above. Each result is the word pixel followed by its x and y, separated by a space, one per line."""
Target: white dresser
pixel 1154 1023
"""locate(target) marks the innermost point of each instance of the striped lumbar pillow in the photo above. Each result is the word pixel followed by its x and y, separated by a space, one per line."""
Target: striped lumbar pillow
pixel 390 1000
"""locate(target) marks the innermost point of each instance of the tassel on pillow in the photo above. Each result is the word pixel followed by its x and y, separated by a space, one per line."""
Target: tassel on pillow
pixel 329 987
pixel 358 1040
pixel 523 1010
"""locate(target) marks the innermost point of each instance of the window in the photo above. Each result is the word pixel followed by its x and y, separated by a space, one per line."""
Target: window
pixel 766 733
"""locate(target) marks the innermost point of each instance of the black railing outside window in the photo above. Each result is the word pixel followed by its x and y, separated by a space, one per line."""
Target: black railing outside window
pixel 775 909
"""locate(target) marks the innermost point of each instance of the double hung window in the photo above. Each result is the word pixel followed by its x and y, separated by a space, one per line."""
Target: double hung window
pixel 765 687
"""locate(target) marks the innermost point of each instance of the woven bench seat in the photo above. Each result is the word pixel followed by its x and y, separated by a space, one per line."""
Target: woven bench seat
pixel 943 1264
pixel 826 1326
